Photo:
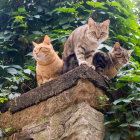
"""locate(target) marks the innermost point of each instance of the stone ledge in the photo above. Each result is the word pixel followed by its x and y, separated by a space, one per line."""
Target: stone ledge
pixel 54 88
pixel 83 91
pixel 77 122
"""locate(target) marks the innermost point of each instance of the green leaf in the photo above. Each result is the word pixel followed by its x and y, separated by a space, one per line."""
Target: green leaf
pixel 3 67
pixel 37 32
pixel 137 99
pixel 115 136
pixel 122 37
pixel 8 129
pixel 124 125
pixel 37 16
pixel 136 133
pixel 16 66
pixel 135 125
pixel 21 10
pixel 28 71
pixel 118 101
pixel 19 17
pixel 12 71
pixel 97 4
pixel 132 78
pixel 128 100
pixel 30 54
pixel 137 122
pixel 67 10
pixel 119 85
pixel 15 13
pixel 66 26
pixel 138 109
pixel 31 68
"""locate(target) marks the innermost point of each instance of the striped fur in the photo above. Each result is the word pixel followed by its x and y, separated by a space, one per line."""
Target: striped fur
pixel 83 43
pixel 108 64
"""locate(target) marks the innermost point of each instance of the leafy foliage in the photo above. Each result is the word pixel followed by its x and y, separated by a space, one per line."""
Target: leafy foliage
pixel 26 21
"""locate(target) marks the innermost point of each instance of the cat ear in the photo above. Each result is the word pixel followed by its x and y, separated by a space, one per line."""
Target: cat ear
pixel 106 23
pixel 90 22
pixel 130 51
pixel 34 44
pixel 117 45
pixel 47 40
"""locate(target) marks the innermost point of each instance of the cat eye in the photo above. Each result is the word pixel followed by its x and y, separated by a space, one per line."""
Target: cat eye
pixel 102 33
pixel 94 32
pixel 45 49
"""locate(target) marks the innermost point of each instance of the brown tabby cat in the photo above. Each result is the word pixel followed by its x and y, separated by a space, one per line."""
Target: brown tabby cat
pixel 108 64
pixel 49 65
pixel 83 42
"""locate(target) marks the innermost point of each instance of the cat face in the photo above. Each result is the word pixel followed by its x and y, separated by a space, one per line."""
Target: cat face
pixel 121 55
pixel 98 32
pixel 41 51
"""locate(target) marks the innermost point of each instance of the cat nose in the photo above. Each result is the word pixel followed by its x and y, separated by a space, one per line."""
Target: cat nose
pixel 98 37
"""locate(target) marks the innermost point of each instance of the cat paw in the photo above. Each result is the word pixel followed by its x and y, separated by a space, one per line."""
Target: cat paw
pixel 106 77
pixel 86 63
pixel 93 67
pixel 83 63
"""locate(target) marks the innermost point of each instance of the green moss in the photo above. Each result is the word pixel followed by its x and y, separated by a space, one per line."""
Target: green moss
pixel 42 120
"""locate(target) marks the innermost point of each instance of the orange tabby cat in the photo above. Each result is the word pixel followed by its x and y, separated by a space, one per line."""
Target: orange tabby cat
pixel 49 65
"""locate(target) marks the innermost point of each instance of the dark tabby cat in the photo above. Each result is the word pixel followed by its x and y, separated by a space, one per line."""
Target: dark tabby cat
pixel 108 64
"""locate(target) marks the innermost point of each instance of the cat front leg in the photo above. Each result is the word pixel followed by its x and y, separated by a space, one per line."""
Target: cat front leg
pixel 89 57
pixel 80 55
pixel 39 79
pixel 101 72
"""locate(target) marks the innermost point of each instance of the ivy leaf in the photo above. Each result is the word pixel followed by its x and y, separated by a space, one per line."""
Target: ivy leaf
pixel 31 68
pixel 37 16
pixel 12 71
pixel 137 99
pixel 137 122
pixel 21 10
pixel 119 85
pixel 128 100
pixel 118 101
pixel 16 66
pixel 3 67
pixel 115 136
pixel 66 26
pixel 97 4
pixel 67 10
pixel 8 129
pixel 30 54
pixel 136 133
pixel 37 32
pixel 63 20
pixel 124 125
pixel 122 37
pixel 14 87
pixel 28 71
pixel 135 125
